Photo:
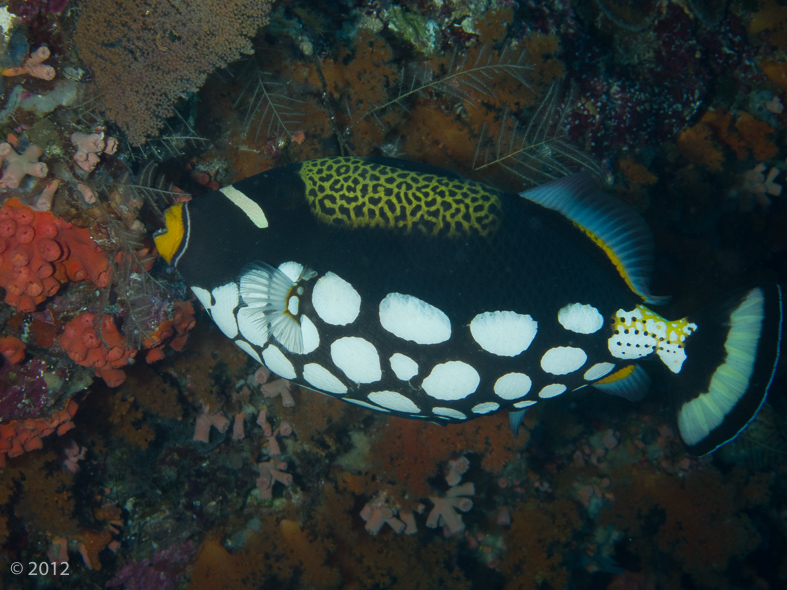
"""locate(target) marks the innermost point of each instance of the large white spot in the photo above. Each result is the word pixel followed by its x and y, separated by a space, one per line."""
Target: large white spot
pixel 253 325
pixel 598 370
pixel 403 366
pixel 449 413
pixel 504 333
pixel 580 318
pixel 485 408
pixel 335 300
pixel 394 401
pixel 563 360
pixel 247 348
pixel 278 363
pixel 321 378
pixel 358 359
pixel 309 335
pixel 551 390
pixel 358 402
pixel 412 319
pixel 451 380
pixel 513 385
pixel 226 298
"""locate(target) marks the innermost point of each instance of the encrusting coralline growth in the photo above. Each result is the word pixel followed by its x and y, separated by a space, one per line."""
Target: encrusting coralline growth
pixel 144 54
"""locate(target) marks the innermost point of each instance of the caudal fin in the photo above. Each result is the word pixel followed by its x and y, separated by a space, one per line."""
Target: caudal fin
pixel 731 362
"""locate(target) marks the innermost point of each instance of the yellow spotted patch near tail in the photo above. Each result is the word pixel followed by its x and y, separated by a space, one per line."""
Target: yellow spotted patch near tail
pixel 351 192
pixel 169 240
pixel 641 331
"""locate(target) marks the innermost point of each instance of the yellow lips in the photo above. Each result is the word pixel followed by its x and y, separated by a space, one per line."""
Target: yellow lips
pixel 169 240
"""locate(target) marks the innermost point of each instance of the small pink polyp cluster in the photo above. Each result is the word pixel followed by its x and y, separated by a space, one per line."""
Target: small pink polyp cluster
pixel 90 147
pixel 17 166
pixel 34 66
pixel 446 508
pixel 206 420
pixel 379 511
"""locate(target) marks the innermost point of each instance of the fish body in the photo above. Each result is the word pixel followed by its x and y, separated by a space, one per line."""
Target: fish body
pixel 409 290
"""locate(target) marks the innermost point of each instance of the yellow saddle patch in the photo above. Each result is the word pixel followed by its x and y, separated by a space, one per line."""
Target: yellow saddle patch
pixel 353 192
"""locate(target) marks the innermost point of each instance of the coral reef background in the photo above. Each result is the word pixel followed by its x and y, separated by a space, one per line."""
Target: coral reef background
pixel 140 449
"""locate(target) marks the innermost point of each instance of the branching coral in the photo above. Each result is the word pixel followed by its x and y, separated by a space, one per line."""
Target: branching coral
pixel 145 55
pixel 700 529
pixel 539 540
pixel 411 452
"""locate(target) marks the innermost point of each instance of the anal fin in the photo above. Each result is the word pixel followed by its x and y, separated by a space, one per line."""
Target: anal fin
pixel 631 382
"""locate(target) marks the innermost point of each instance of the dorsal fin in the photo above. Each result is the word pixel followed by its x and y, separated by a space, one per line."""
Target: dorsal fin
pixel 617 229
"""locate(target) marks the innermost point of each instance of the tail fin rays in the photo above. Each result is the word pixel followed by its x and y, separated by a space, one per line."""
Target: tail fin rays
pixel 734 386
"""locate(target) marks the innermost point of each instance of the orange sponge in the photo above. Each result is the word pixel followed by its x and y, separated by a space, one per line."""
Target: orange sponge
pixel 39 252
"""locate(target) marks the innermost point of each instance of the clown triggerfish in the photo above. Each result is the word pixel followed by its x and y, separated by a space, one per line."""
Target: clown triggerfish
pixel 407 289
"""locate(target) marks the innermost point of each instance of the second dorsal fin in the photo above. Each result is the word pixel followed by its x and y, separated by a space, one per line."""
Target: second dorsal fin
pixel 614 227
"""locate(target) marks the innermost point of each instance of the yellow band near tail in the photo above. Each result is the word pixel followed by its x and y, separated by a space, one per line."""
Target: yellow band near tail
pixel 617 375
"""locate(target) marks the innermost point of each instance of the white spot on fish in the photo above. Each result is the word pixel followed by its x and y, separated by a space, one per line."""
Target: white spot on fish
pixel 294 270
pixel 358 359
pixel 252 210
pixel 292 305
pixel 278 363
pixel 524 404
pixel 335 300
pixel 403 366
pixel 580 318
pixel 504 333
pixel 452 380
pixel 223 311
pixel 253 325
pixel 563 360
pixel 448 413
pixel 485 408
pixel 394 401
pixel 203 295
pixel 552 390
pixel 412 319
pixel 598 370
pixel 321 378
pixel 358 402
pixel 309 334
pixel 513 385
